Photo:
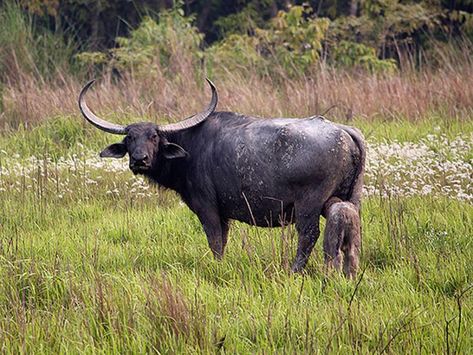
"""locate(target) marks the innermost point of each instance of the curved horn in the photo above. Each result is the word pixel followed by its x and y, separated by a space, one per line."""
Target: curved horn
pixel 97 121
pixel 197 118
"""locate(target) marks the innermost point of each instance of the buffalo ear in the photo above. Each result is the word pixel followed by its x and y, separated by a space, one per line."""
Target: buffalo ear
pixel 172 151
pixel 117 150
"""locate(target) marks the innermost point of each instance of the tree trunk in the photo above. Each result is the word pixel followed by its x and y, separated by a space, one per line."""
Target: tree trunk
pixel 353 7
pixel 203 16
pixel 94 26
pixel 273 9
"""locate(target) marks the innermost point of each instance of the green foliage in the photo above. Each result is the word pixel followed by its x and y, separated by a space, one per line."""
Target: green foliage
pixel 16 40
pixel 95 23
pixel 171 36
pixel 92 58
pixel 153 45
pixel 295 38
pixel 25 49
pixel 237 52
pixel 393 18
pixel 292 42
pixel 465 20
pixel 41 7
pixel 245 21
pixel 388 26
pixel 349 54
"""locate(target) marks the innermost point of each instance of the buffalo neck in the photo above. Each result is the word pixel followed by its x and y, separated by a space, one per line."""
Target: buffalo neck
pixel 170 173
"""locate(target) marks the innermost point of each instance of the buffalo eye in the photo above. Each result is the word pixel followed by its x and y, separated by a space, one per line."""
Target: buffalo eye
pixel 154 136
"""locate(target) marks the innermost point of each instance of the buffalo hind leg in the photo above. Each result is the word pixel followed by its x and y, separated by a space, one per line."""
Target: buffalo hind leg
pixel 307 225
pixel 342 234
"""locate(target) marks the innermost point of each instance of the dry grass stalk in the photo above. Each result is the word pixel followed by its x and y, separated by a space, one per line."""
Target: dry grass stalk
pixel 447 92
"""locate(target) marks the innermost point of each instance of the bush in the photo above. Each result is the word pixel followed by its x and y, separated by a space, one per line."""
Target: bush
pixel 295 38
pixel 292 42
pixel 170 45
pixel 391 27
pixel 237 52
pixel 28 50
pixel 350 54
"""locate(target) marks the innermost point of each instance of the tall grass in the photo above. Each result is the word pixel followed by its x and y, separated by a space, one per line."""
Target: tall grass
pixel 28 52
pixel 28 56
pixel 412 96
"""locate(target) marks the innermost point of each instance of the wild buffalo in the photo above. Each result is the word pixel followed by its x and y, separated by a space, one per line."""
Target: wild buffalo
pixel 265 172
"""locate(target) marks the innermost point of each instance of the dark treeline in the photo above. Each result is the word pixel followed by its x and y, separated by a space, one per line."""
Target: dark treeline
pixel 95 24
pixel 41 38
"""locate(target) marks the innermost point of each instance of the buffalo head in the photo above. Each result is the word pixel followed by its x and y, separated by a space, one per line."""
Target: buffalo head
pixel 145 142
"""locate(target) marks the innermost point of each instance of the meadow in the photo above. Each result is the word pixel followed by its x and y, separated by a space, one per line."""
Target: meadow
pixel 94 260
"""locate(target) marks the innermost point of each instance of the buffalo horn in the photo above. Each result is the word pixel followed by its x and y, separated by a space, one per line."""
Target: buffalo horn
pixel 97 121
pixel 197 118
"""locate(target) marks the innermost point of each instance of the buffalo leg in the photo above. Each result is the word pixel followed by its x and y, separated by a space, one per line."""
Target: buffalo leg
pixel 307 225
pixel 225 225
pixel 215 231
pixel 333 234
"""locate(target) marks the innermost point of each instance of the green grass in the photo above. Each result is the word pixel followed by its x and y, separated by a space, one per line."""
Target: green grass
pixel 408 130
pixel 99 272
pixel 60 135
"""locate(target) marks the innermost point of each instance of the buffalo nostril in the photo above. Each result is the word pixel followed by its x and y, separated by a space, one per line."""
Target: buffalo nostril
pixel 140 158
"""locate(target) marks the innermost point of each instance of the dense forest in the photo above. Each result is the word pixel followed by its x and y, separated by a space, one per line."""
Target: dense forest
pixel 377 35
pixel 97 23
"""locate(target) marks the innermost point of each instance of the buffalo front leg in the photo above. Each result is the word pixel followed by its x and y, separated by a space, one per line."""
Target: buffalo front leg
pixel 225 225
pixel 307 226
pixel 216 231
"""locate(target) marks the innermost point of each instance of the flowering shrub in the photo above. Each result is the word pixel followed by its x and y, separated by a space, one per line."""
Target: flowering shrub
pixel 433 166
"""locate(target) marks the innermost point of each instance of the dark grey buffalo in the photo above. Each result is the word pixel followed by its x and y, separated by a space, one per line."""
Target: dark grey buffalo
pixel 265 172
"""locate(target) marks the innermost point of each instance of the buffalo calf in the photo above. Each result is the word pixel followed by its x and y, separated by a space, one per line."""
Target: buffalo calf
pixel 342 234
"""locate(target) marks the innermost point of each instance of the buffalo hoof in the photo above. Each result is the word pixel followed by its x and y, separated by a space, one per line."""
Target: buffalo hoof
pixel 297 268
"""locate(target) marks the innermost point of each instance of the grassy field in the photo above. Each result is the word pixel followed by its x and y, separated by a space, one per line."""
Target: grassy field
pixel 93 260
